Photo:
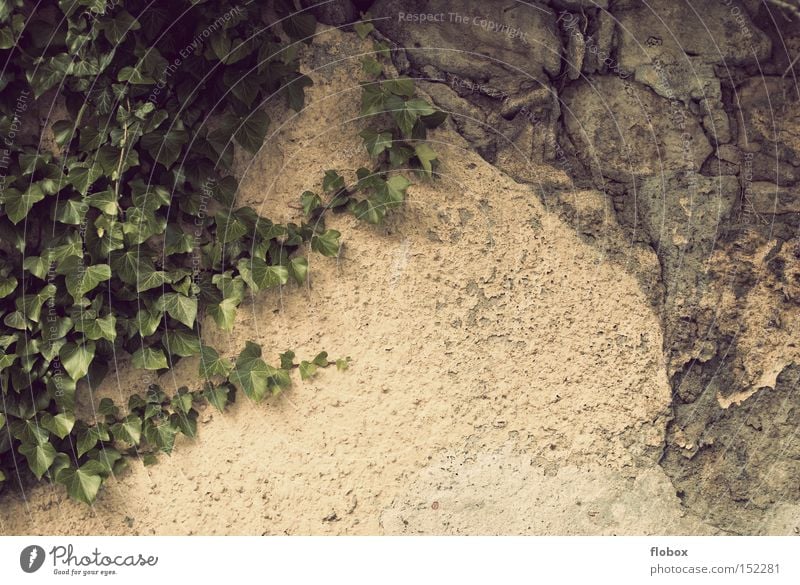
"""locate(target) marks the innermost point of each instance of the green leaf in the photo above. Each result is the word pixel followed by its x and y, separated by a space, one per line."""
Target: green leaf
pixel 39 455
pixel 402 86
pixel 82 483
pixel 298 269
pixel 300 26
pixel 117 27
pixel 217 396
pixel 371 66
pixel 147 321
pixel 76 358
pixel 149 358
pixel 81 282
pixel 327 243
pixel 182 343
pixel 332 181
pixel 307 370
pixel 373 99
pixel 229 227
pixel 133 76
pixel 259 275
pixel 287 359
pixel 165 147
pixel 370 210
pixel 36 265
pixel 251 131
pixel 89 438
pixel 161 434
pixel 295 91
pixel 211 364
pixel 2 420
pixel 82 176
pixel 60 425
pixel 321 359
pixel 179 307
pixel 7 286
pixel 310 202
pixel 376 142
pixel 363 29
pixel 18 204
pixel 98 328
pixel 224 313
pixel 251 373
pixel 342 364
pixel 426 155
pixel 129 430
pixel 394 190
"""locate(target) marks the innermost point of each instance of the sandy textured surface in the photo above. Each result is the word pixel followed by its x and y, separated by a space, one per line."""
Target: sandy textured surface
pixel 505 377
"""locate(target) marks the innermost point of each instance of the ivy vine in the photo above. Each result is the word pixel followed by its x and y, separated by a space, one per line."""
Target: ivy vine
pixel 119 227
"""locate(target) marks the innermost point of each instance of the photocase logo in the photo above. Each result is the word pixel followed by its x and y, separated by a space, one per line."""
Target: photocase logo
pixel 31 558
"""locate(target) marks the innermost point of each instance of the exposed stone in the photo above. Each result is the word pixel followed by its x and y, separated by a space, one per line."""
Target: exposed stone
pixel 492 42
pixel 621 131
pixel 769 198
pixel 336 13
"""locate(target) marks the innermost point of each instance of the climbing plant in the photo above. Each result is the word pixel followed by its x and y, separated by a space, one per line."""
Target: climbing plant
pixel 119 226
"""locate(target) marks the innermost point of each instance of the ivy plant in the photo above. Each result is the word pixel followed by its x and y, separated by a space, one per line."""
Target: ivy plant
pixel 119 227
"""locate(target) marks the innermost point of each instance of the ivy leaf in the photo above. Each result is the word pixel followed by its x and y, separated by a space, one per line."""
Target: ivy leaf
pixel 342 364
pixel 224 313
pixel 60 425
pixel 8 285
pixel 99 328
pixel 363 29
pixel 117 27
pixel 402 86
pixel 300 26
pixel 373 99
pixel 310 202
pixel 251 131
pixel 426 155
pixel 394 191
pixel 89 438
pixel 295 91
pixel 147 321
pixel 165 147
pixel 251 373
pixel 105 201
pixel 229 227
pixel 211 364
pixel 129 430
pixel 76 358
pixel 287 360
pixel 376 142
pixel 371 66
pixel 82 176
pixel 307 370
pixel 259 275
pixel 327 243
pixel 133 76
pixel 332 181
pixel 81 282
pixel 217 396
pixel 149 358
pixel 179 307
pixel 370 211
pixel 39 455
pixel 298 269
pixel 162 434
pixel 18 204
pixel 181 343
pixel 321 359
pixel 82 483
